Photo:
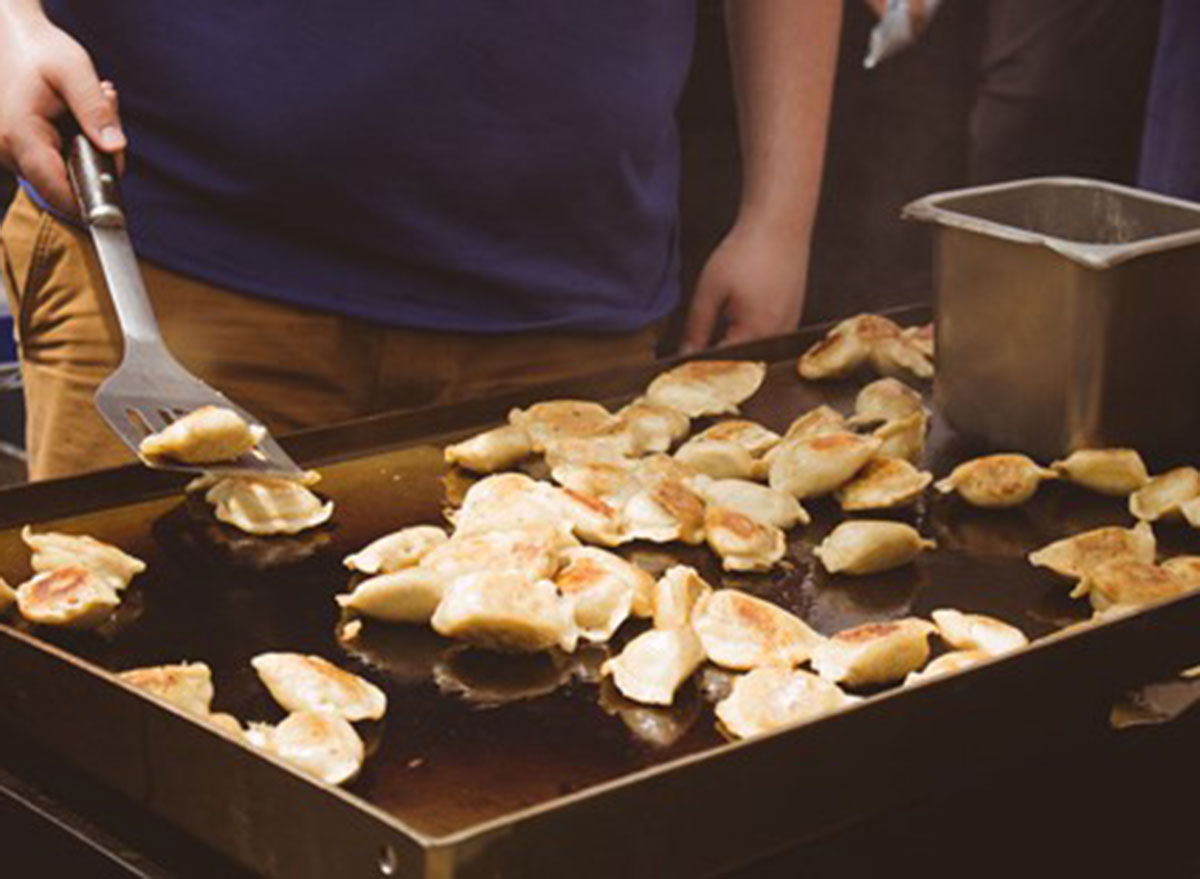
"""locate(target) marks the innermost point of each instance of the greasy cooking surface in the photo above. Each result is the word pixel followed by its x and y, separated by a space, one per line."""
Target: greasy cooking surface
pixel 471 736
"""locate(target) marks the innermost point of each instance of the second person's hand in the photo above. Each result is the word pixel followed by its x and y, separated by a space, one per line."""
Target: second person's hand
pixel 753 285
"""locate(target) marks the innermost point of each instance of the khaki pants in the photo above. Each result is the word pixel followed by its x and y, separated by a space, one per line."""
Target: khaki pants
pixel 293 367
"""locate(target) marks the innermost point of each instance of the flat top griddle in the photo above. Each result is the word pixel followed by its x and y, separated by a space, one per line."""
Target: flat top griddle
pixel 473 737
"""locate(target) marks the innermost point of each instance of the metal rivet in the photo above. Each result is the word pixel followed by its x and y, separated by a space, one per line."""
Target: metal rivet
pixel 387 860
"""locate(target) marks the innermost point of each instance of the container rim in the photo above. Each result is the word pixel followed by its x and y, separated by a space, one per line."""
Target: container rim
pixel 929 209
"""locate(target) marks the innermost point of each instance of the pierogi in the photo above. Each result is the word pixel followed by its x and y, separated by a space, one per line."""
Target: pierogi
pixel 740 631
pixel 874 653
pixel 768 699
pixel 1115 472
pixel 996 481
pixel 869 546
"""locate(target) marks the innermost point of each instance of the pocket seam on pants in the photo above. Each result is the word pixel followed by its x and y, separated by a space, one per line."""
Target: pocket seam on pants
pixel 36 276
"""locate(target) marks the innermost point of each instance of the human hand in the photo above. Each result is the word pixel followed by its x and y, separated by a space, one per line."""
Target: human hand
pixel 879 7
pixel 44 73
pixel 755 282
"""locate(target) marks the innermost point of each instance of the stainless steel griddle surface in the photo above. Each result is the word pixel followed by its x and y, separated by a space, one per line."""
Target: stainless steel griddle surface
pixel 472 736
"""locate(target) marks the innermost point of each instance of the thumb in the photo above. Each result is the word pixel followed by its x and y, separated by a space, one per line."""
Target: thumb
pixel 93 106
pixel 702 317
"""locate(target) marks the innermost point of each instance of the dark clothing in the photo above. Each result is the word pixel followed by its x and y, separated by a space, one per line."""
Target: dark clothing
pixel 1062 88
pixel 466 165
pixel 1171 149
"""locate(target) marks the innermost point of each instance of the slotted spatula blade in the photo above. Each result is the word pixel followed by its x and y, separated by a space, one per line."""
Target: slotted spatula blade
pixel 150 389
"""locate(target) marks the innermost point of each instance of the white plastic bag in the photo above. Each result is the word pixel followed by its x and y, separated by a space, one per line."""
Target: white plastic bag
pixel 901 23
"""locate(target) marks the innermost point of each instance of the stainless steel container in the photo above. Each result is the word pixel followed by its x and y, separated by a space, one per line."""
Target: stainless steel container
pixel 1067 316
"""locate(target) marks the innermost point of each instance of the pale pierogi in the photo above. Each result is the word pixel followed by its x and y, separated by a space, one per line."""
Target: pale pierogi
pixel 867 546
pixel 750 435
pixel 655 664
pixel 1190 510
pixel 972 631
pixel 904 437
pixel 72 597
pixel 500 448
pixel 1128 583
pixel 836 355
pixel 886 399
pixel 676 595
pixel 507 612
pixel 740 631
pixel 52 550
pixel 768 699
pixel 206 435
pixel 846 347
pixel 409 595
pixel 1075 556
pixel 265 505
pixel 614 443
pixel 1185 567
pixel 508 501
pixel 654 428
pixel 947 663
pixel 717 459
pixel 751 499
pixel 899 356
pixel 862 339
pixel 533 550
pixel 396 551
pixel 707 387
pixel 1164 495
pixel 1116 472
pixel 874 653
pixel 603 589
pixel 188 685
pixel 665 508
pixel 884 483
pixel 773 698
pixel 612 482
pixel 1005 480
pixel 743 543
pixel 594 520
pixel 553 420
pixel 921 338
pixel 817 465
pixel 322 744
pixel 814 422
pixel 300 682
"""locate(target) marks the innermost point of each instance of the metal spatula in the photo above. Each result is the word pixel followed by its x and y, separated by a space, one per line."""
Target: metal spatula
pixel 150 389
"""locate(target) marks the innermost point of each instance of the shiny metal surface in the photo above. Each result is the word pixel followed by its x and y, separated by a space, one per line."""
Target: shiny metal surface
pixel 1066 316
pixel 93 176
pixel 150 389
pixel 503 766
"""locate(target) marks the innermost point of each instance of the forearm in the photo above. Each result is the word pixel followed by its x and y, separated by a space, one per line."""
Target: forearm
pixel 784 53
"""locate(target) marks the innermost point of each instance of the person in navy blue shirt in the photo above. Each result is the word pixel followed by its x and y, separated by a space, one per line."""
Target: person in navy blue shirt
pixel 1170 160
pixel 329 198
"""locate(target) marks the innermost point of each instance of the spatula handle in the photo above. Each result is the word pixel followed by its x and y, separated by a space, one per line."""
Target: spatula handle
pixel 94 178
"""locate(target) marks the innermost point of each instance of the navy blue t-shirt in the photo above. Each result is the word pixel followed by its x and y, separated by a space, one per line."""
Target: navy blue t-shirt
pixel 1171 143
pixel 447 164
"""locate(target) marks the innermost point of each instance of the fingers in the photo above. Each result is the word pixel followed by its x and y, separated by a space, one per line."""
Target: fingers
pixel 93 105
pixel 36 149
pixel 702 318
pixel 110 92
